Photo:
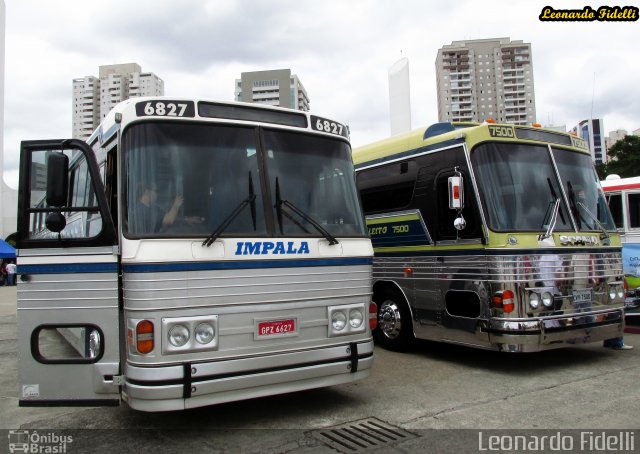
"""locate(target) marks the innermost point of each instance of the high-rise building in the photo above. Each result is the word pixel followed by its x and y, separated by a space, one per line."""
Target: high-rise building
pixel 94 97
pixel 592 131
pixel 613 137
pixel 274 87
pixel 486 78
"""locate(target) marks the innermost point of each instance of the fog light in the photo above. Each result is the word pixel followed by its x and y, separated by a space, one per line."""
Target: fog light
pixel 178 335
pixel 338 320
pixel 356 318
pixel 547 299
pixel 204 333
pixel 534 300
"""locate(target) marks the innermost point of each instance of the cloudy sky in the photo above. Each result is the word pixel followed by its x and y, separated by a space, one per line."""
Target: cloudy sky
pixel 340 49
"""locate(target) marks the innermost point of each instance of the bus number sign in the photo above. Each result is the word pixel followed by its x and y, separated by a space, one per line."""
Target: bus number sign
pixel 330 126
pixel 166 108
pixel 501 131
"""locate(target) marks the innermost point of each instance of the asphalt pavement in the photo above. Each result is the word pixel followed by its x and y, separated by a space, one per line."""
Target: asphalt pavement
pixel 436 398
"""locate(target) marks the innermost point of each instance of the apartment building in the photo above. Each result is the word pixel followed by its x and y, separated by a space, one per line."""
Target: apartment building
pixel 94 97
pixel 486 78
pixel 273 87
pixel 592 131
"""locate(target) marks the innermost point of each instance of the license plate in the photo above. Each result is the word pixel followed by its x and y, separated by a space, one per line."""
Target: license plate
pixel 277 327
pixel 581 296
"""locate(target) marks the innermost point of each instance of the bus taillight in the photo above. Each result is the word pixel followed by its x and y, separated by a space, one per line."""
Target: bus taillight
pixel 144 336
pixel 504 300
pixel 373 315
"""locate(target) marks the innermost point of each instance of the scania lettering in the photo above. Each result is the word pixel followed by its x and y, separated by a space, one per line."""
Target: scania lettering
pixel 189 253
pixel 490 236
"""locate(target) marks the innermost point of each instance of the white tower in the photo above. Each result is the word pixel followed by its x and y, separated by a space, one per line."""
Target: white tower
pixel 8 196
pixel 399 97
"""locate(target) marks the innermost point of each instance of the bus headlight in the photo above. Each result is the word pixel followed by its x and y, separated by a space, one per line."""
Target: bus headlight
pixel 620 292
pixel 338 320
pixel 355 318
pixel 534 300
pixel 204 333
pixel 346 319
pixel 178 335
pixel 547 299
pixel 189 334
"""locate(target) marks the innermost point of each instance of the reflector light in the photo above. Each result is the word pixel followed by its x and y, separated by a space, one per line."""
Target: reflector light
pixel 373 315
pixel 144 336
pixel 508 301
pixel 456 192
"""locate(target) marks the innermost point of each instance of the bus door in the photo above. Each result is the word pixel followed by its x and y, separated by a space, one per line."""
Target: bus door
pixel 68 311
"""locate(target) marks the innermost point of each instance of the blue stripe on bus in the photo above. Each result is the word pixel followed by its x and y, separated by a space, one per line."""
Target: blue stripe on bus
pixel 407 153
pixel 242 265
pixel 62 268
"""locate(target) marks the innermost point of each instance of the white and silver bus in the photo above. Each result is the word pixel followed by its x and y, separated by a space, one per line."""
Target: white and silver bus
pixel 190 253
pixel 623 197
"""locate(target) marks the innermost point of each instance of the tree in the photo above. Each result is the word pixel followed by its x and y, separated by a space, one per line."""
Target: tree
pixel 625 157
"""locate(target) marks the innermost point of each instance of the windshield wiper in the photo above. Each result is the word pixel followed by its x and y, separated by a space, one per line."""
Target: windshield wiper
pixel 553 219
pixel 604 237
pixel 280 202
pixel 250 200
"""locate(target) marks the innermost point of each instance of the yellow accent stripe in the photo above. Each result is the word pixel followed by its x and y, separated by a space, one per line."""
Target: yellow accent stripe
pixel 388 219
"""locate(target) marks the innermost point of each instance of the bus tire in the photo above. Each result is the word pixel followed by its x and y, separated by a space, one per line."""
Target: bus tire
pixel 395 329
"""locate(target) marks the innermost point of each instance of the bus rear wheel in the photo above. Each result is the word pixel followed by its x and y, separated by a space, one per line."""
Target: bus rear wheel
pixel 394 330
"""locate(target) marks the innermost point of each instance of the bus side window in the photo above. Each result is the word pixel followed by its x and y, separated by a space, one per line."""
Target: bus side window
pixel 615 206
pixel 634 210
pixel 387 188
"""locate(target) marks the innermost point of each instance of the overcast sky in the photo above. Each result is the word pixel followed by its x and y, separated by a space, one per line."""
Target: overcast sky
pixel 341 50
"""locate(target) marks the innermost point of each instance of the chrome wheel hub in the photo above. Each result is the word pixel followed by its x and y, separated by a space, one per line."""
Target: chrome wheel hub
pixel 389 319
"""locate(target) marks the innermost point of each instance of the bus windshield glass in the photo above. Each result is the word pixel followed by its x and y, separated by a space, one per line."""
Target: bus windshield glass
pixel 190 180
pixel 519 187
pixel 586 199
pixel 315 175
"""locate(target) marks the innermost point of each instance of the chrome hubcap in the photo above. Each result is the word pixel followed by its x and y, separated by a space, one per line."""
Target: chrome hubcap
pixel 389 319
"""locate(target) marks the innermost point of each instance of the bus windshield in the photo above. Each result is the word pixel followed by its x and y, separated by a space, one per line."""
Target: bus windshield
pixel 190 180
pixel 581 185
pixel 519 188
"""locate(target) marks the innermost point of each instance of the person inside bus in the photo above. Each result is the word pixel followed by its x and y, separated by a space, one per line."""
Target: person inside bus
pixel 152 218
pixel 150 215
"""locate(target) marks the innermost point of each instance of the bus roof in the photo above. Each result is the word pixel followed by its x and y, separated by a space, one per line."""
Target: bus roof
pixel 617 184
pixel 172 108
pixel 440 135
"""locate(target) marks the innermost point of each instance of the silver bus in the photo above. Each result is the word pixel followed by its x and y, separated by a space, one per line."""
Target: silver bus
pixel 191 252
pixel 491 236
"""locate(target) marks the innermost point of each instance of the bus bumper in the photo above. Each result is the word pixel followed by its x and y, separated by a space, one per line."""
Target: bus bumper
pixel 537 334
pixel 191 385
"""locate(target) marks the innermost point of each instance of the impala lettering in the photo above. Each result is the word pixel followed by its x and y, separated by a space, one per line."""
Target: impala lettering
pixel 271 247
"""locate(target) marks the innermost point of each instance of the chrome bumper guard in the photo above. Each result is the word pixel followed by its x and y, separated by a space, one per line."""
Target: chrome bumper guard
pixel 191 385
pixel 534 334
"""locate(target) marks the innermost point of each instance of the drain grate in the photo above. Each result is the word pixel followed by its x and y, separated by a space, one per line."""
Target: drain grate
pixel 363 435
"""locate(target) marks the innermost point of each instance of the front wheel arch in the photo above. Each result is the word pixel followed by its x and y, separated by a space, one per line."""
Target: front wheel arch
pixel 394 330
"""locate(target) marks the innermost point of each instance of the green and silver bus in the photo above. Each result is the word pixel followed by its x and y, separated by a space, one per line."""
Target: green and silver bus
pixel 491 236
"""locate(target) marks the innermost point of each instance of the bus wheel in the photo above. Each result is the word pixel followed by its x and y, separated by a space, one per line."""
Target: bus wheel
pixel 394 330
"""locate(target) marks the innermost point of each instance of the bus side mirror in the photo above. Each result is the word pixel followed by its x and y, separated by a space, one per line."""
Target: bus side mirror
pixel 57 179
pixel 456 192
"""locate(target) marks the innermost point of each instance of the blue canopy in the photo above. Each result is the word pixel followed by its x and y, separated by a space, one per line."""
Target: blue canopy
pixel 6 251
